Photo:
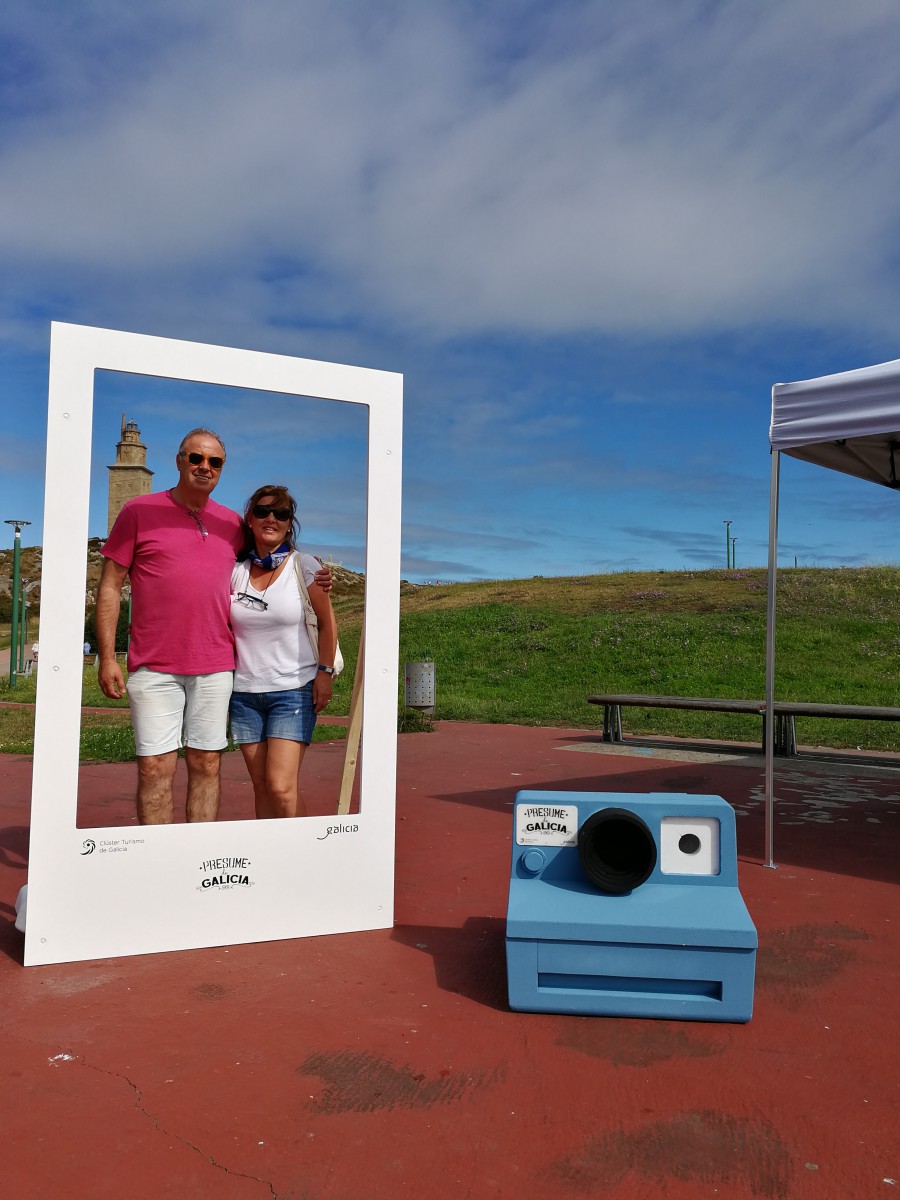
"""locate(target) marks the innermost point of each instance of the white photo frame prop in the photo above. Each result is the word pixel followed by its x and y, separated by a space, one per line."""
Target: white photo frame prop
pixel 102 893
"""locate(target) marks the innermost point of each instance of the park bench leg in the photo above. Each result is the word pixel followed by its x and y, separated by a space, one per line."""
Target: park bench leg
pixel 791 736
pixel 612 723
pixel 785 736
pixel 780 748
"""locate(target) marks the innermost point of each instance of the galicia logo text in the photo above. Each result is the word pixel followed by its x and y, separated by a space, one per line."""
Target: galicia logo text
pixel 337 829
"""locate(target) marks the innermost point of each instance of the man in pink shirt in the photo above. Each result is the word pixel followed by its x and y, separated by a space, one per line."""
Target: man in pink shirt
pixel 179 549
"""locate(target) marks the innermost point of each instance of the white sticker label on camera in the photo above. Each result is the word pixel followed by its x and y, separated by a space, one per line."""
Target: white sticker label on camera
pixel 546 825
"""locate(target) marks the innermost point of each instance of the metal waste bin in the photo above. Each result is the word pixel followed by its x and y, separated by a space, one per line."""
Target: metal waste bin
pixel 419 687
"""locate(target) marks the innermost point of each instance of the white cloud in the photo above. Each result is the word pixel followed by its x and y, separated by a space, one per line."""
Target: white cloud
pixel 544 215
pixel 648 168
pixel 422 536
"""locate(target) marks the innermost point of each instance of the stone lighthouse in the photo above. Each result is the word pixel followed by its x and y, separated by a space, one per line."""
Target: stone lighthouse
pixel 129 476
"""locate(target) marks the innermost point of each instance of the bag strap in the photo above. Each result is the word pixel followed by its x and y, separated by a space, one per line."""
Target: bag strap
pixel 312 621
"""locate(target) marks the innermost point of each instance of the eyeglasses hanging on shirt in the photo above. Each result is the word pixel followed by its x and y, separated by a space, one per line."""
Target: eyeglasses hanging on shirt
pixel 254 602
pixel 204 532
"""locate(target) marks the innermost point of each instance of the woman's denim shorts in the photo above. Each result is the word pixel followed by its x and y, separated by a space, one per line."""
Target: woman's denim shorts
pixel 256 716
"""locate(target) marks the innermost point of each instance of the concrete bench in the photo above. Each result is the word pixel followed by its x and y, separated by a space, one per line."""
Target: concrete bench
pixel 785 712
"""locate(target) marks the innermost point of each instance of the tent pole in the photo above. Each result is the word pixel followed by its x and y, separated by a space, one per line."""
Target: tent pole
pixel 770 660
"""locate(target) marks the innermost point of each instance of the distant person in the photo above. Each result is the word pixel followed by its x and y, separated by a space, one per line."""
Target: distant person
pixel 282 681
pixel 34 651
pixel 86 648
pixel 178 547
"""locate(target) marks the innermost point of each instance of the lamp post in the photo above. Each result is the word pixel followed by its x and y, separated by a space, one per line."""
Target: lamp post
pixel 14 631
pixel 727 525
pixel 27 585
pixel 733 564
pixel 23 625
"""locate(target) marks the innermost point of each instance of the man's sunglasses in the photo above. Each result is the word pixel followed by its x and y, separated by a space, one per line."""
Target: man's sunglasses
pixel 196 459
pixel 263 510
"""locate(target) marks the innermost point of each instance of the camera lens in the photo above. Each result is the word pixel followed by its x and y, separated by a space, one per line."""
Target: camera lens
pixel 616 850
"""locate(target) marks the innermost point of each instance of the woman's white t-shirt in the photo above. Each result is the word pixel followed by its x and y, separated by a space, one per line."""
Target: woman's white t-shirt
pixel 272 647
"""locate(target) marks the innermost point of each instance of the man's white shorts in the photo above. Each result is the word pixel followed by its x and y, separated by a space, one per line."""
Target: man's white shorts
pixel 169 711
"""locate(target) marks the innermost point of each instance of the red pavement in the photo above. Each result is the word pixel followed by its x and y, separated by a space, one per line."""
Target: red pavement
pixel 387 1064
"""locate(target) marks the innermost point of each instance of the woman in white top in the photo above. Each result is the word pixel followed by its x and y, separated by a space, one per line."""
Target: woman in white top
pixel 280 683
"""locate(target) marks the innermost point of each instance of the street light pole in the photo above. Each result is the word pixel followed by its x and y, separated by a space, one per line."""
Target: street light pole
pixel 14 631
pixel 733 564
pixel 727 525
pixel 23 626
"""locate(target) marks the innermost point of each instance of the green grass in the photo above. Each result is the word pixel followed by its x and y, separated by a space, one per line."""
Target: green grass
pixel 410 720
pixel 111 742
pixel 531 651
pixel 329 733
pixel 106 741
pixel 16 730
pixel 91 697
pixel 23 692
pixel 106 736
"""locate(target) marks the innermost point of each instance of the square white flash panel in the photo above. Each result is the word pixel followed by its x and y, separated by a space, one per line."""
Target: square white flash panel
pixel 689 846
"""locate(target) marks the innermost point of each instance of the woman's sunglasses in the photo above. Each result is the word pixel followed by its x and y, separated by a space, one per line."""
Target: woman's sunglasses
pixel 263 510
pixel 196 459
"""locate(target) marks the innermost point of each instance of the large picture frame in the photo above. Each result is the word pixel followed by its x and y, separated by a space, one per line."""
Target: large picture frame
pixel 148 889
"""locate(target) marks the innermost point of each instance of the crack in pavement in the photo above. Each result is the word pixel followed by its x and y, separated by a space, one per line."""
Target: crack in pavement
pixel 67 1056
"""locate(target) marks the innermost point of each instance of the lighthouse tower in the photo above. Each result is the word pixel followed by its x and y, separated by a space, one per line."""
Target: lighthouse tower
pixel 129 476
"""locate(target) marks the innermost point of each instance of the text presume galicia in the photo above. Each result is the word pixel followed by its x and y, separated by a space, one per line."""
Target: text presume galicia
pixel 546 825
pixel 225 872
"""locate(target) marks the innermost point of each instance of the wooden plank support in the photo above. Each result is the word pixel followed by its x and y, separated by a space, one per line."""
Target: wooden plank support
pixel 354 731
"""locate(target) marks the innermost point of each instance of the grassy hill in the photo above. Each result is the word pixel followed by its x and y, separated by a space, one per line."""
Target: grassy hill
pixel 529 651
pixel 532 651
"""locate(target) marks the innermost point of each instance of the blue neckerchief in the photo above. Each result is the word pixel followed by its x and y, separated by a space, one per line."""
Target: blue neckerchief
pixel 275 559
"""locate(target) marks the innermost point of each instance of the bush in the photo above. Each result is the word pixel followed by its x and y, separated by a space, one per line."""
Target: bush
pixel 90 628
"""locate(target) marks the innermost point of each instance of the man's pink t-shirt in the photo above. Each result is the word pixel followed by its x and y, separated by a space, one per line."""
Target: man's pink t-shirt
pixel 180 583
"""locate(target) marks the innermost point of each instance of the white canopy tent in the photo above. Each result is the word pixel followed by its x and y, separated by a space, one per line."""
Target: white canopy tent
pixel 850 423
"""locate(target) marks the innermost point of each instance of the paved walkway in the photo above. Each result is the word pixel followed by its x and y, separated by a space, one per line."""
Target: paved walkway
pixel 4 659
pixel 388 1065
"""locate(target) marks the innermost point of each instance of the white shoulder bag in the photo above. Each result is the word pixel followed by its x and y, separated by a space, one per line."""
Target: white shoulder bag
pixel 312 621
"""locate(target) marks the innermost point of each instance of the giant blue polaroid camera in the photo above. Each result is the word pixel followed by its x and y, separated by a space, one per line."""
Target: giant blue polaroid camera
pixel 628 906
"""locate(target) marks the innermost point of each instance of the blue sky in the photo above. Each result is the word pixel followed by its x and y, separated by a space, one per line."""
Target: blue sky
pixel 590 234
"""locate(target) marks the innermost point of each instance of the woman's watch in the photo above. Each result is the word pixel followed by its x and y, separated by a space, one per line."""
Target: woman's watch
pixel 327 670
